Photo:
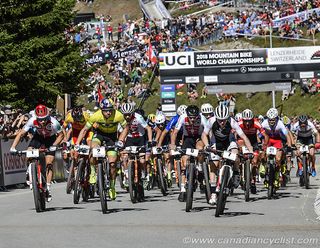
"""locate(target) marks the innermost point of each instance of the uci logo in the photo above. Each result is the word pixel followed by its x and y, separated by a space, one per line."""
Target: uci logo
pixel 176 60
pixel 179 60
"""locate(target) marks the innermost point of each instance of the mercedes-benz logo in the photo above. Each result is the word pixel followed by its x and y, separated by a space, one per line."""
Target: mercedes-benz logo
pixel 287 75
pixel 243 69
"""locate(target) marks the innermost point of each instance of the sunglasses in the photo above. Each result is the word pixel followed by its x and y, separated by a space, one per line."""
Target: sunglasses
pixel 42 119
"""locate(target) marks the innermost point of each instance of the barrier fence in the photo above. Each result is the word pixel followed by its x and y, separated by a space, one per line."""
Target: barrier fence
pixel 13 168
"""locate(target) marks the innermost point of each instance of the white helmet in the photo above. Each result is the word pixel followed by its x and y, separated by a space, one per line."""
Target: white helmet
pixel 247 114
pixel 182 109
pixel 206 108
pixel 222 112
pixel 272 113
pixel 261 118
pixel 238 117
pixel 127 108
pixel 160 119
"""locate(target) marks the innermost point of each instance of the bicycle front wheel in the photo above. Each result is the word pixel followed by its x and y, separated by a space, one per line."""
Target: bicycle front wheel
pixel 306 178
pixel 36 174
pixel 103 194
pixel 205 170
pixel 221 196
pixel 189 199
pixel 161 179
pixel 132 185
pixel 247 180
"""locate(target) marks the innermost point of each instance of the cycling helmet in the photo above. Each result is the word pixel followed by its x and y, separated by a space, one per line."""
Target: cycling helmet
pixel 206 108
pixel 261 118
pixel 181 110
pixel 272 113
pixel 222 112
pixel 192 110
pixel 77 114
pixel 151 117
pixel 127 108
pixel 41 112
pixel 106 104
pixel 303 119
pixel 247 115
pixel 238 117
pixel 286 120
pixel 160 119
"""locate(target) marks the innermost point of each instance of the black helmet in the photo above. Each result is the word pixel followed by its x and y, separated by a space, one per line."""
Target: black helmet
pixel 303 119
pixel 77 114
pixel 193 110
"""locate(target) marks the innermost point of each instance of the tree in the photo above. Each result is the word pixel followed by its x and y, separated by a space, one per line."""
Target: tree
pixel 36 61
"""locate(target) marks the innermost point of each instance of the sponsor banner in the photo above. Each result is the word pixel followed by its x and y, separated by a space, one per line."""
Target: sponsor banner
pixel 97 58
pixel 293 55
pixel 176 60
pixel 168 101
pixel 210 79
pixel 169 114
pixel 192 80
pixel 168 88
pixel 307 74
pixel 168 95
pixel 168 107
pixel 13 167
pixel 123 53
pixel 242 88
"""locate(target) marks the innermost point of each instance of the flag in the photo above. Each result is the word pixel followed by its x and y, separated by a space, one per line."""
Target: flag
pixel 151 55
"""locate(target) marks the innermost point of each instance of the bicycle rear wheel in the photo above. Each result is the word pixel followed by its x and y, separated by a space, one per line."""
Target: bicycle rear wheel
pixel 189 199
pixel 271 174
pixel 161 179
pixel 78 182
pixel 247 180
pixel 71 178
pixel 35 188
pixel 103 191
pixel 205 170
pixel 221 195
pixel 132 185
pixel 306 174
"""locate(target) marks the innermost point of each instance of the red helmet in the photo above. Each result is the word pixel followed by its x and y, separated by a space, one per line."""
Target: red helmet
pixel 41 111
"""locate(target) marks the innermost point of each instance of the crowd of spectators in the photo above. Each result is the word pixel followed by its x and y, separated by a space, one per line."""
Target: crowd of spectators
pixel 182 33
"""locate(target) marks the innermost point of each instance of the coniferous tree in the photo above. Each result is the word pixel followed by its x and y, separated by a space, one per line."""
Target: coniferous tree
pixel 36 61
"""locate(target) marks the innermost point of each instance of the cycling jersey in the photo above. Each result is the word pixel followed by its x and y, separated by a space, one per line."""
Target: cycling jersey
pixel 51 128
pixel 105 126
pixel 251 132
pixel 305 132
pixel 76 126
pixel 276 131
pixel 223 134
pixel 194 129
pixel 136 126
pixel 172 123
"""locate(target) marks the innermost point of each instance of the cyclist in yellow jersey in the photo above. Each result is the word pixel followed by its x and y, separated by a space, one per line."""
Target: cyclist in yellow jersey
pixel 105 124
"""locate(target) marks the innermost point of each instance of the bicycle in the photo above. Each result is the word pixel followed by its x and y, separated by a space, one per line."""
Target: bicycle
pixel 81 185
pixel 136 189
pixel 159 168
pixel 271 171
pixel 225 181
pixel 306 166
pixel 246 171
pixel 177 165
pixel 103 174
pixel 37 164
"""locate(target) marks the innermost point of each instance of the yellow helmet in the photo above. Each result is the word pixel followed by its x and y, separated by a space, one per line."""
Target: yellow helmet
pixel 286 120
pixel 152 117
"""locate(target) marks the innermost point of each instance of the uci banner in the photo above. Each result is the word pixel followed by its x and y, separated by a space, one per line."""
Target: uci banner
pixel 269 64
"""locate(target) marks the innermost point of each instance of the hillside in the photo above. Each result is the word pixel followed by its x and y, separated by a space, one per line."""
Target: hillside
pixel 114 8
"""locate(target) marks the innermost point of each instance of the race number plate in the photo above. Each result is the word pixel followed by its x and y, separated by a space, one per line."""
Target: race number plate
pixel 84 150
pixel 192 152
pixel 174 153
pixel 304 149
pixel 34 153
pixel 271 150
pixel 245 150
pixel 156 150
pixel 229 155
pixel 99 152
pixel 214 157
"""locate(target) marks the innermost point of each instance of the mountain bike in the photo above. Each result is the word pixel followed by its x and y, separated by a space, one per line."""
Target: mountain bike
pixel 306 166
pixel 271 170
pixel 159 168
pixel 81 184
pixel 136 189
